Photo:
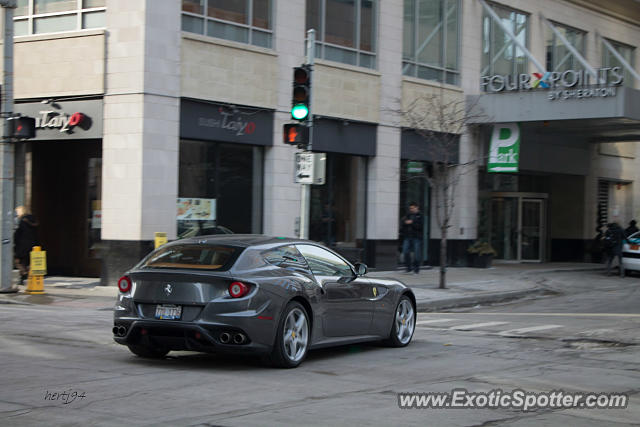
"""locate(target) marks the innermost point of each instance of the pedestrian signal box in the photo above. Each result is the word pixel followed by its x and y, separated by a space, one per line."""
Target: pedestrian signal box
pixel 296 134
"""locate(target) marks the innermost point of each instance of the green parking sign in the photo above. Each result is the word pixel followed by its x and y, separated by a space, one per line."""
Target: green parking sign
pixel 504 149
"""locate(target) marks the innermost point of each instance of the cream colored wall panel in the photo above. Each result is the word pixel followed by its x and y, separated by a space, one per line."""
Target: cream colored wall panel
pixel 414 89
pixel 345 92
pixel 59 66
pixel 223 72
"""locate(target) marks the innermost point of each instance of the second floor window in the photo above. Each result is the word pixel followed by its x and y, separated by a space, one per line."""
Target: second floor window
pixel 345 30
pixel 55 16
pixel 627 52
pixel 244 21
pixel 559 58
pixel 500 55
pixel 430 44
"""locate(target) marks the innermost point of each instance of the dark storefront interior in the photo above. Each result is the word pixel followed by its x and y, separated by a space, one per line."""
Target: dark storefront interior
pixel 66 199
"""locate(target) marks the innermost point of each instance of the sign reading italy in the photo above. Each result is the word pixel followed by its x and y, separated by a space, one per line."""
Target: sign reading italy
pixel 504 148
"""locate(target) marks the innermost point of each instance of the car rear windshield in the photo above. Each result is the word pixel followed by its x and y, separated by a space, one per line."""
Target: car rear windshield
pixel 200 257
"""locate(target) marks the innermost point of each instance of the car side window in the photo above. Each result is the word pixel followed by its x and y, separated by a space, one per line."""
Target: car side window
pixel 324 263
pixel 285 256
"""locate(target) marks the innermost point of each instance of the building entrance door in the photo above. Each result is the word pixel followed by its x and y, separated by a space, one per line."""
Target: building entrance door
pixel 517 226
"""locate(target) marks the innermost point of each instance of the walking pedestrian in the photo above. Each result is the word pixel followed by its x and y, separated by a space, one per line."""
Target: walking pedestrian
pixel 613 239
pixel 412 225
pixel 24 239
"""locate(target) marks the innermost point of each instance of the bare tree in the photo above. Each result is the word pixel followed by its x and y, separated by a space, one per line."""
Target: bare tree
pixel 440 119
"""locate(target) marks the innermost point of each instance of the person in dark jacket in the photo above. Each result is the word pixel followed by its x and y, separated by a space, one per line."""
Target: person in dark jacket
pixel 24 239
pixel 412 225
pixel 631 228
pixel 613 240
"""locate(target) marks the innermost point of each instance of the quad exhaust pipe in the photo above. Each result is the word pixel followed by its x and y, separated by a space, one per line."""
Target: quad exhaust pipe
pixel 119 331
pixel 237 338
pixel 225 337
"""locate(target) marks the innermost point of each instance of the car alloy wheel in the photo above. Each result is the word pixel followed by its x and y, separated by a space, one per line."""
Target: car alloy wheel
pixel 295 335
pixel 404 323
pixel 292 341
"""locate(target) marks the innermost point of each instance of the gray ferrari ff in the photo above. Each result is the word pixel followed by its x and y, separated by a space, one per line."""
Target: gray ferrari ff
pixel 273 296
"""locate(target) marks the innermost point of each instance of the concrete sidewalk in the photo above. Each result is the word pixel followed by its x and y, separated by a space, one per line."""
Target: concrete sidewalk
pixel 465 286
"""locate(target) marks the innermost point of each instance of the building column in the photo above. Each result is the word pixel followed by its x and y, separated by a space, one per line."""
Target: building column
pixel 141 130
pixel 383 186
pixel 281 194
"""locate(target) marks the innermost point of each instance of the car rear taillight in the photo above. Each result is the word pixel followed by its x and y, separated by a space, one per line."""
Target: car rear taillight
pixel 124 284
pixel 238 289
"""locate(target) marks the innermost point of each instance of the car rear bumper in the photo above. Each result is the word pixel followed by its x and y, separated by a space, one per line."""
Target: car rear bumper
pixel 631 261
pixel 208 337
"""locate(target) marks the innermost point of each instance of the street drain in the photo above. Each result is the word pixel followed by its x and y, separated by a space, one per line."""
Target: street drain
pixel 594 344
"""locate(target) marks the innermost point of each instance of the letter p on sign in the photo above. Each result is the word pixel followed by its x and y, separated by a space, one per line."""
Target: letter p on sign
pixel 504 149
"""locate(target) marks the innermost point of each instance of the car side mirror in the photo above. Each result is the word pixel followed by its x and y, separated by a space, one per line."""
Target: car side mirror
pixel 361 269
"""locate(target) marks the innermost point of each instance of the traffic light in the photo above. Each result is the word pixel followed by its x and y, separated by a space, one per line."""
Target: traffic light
pixel 22 127
pixel 301 102
pixel 296 134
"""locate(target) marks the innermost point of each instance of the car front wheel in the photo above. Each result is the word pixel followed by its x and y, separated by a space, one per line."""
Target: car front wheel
pixel 404 323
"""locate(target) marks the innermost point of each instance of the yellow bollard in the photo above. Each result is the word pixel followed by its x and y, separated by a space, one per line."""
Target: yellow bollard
pixel 37 270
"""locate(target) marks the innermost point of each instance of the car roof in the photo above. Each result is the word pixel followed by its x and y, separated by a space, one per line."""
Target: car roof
pixel 242 240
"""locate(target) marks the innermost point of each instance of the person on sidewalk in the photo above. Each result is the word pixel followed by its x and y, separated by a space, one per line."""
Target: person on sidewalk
pixel 631 228
pixel 24 239
pixel 613 239
pixel 412 225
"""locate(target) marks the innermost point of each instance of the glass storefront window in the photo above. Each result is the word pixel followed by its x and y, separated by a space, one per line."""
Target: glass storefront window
pixel 220 189
pixel 500 55
pixel 414 187
pixel 338 206
pixel 559 58
pixel 430 42
pixel 346 30
pixel 627 52
pixel 248 21
pixel 95 205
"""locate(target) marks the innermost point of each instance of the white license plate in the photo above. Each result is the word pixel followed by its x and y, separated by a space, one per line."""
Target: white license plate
pixel 168 311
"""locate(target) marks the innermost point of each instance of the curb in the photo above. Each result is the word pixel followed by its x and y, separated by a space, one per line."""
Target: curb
pixel 477 299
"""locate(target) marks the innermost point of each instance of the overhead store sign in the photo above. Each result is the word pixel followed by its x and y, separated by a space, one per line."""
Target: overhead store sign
pixel 568 84
pixel 56 120
pixel 504 148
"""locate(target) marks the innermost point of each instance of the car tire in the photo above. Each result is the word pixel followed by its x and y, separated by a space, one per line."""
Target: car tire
pixel 148 352
pixel 292 338
pixel 404 323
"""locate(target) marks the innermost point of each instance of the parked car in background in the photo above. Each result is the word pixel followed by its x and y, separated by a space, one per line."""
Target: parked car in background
pixel 631 253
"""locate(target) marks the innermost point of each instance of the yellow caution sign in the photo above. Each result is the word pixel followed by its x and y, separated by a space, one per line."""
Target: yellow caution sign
pixel 161 238
pixel 37 271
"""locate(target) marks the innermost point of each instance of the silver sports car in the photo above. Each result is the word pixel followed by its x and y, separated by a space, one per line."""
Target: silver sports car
pixel 273 296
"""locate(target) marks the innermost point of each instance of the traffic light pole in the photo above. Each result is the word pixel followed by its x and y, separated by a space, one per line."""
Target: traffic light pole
pixel 305 192
pixel 7 153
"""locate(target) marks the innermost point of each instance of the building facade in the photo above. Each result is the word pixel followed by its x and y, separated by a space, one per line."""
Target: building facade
pixel 167 116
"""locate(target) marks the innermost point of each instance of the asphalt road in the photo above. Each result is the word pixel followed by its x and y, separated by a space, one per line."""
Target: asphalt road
pixel 583 338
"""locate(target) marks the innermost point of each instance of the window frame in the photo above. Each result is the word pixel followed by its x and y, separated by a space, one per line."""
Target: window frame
pixel 309 264
pixel 248 25
pixel 414 64
pixel 321 44
pixel 629 80
pixel 30 18
pixel 492 34
pixel 557 43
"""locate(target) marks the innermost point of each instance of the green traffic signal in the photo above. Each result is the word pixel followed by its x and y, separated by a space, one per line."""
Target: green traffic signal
pixel 299 111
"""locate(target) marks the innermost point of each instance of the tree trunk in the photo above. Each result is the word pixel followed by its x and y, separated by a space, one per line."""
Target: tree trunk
pixel 443 258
